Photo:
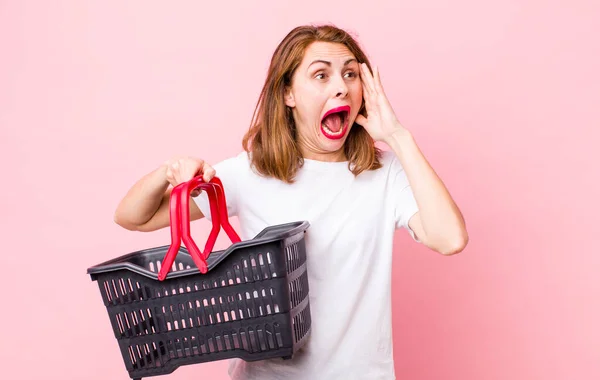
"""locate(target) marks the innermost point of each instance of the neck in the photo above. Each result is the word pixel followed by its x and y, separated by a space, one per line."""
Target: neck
pixel 337 156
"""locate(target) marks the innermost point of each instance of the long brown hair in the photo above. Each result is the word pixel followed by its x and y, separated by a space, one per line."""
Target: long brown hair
pixel 271 139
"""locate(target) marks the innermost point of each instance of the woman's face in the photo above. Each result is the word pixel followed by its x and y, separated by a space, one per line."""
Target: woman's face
pixel 325 97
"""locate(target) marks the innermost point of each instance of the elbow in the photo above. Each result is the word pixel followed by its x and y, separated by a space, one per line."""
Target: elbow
pixel 455 244
pixel 450 245
pixel 120 221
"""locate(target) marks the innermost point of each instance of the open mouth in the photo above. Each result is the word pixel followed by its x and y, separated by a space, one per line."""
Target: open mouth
pixel 335 122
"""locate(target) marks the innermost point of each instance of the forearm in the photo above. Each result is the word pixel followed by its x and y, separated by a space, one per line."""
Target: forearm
pixel 143 200
pixel 441 219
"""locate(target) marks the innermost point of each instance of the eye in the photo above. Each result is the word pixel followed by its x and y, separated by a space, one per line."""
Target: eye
pixel 320 76
pixel 351 74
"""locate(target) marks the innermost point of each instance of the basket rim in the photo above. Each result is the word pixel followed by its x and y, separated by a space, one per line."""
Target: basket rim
pixel 267 235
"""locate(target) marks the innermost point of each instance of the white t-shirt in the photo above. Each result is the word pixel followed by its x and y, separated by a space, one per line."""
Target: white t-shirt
pixel 349 260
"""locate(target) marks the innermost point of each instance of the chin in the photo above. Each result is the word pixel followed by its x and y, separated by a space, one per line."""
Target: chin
pixel 333 144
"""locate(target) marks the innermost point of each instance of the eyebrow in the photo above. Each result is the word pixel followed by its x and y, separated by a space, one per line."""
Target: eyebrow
pixel 329 63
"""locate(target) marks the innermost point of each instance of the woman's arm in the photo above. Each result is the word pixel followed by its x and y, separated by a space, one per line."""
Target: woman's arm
pixel 145 207
pixel 439 223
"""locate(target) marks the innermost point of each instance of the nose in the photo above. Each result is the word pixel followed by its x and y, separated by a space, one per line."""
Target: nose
pixel 341 88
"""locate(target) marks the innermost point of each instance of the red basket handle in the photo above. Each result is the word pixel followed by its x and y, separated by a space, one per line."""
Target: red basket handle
pixel 175 211
pixel 217 202
pixel 180 222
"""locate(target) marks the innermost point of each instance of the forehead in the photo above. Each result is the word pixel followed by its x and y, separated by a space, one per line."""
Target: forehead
pixel 327 51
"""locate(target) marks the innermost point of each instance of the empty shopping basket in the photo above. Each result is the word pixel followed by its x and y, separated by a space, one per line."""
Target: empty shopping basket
pixel 170 306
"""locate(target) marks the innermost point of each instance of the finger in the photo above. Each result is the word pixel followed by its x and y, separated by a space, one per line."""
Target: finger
pixel 366 96
pixel 377 81
pixel 175 168
pixel 192 169
pixel 208 172
pixel 199 167
pixel 363 79
pixel 169 175
pixel 368 78
pixel 361 120
pixel 196 192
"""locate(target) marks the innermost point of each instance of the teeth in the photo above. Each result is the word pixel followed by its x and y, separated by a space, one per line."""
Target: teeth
pixel 329 131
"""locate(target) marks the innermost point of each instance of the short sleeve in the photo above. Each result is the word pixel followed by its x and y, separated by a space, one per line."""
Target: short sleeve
pixel 405 205
pixel 228 172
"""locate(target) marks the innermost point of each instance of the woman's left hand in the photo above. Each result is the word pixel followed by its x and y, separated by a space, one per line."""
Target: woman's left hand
pixel 381 122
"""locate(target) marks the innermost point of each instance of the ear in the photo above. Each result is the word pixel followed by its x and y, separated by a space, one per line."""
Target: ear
pixel 289 98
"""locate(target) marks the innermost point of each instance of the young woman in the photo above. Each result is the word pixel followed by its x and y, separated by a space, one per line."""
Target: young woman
pixel 310 155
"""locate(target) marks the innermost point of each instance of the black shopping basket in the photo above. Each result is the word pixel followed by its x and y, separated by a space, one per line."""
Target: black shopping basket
pixel 170 306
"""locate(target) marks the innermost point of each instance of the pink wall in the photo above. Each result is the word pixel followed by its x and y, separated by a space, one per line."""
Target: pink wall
pixel 502 96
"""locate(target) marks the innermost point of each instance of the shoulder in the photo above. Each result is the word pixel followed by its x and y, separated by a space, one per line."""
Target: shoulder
pixel 237 162
pixel 391 171
pixel 387 157
pixel 237 158
pixel 390 165
pixel 390 162
pixel 229 170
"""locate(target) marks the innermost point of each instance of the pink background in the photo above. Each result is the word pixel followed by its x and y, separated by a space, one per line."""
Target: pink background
pixel 503 98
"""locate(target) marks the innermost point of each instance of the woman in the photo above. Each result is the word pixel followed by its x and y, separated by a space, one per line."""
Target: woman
pixel 310 155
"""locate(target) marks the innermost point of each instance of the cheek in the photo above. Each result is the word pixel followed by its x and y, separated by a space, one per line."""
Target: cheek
pixel 308 106
pixel 357 90
pixel 308 109
pixel 312 103
pixel 357 97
